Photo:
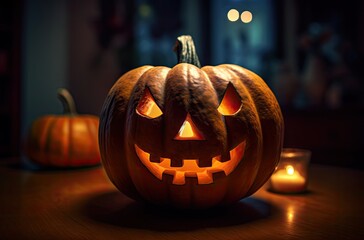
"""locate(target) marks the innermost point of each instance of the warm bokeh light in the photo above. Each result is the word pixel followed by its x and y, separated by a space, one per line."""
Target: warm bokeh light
pixel 233 15
pixel 246 17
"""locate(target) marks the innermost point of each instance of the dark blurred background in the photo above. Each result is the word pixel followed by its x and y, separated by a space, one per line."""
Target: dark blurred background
pixel 310 52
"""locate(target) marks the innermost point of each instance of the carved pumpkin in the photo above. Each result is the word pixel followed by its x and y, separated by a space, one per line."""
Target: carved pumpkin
pixel 190 137
pixel 68 140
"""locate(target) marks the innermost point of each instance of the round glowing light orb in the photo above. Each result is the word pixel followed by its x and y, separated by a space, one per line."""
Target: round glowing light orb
pixel 246 17
pixel 290 170
pixel 233 15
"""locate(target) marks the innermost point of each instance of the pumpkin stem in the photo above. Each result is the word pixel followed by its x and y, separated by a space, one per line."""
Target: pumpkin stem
pixel 66 98
pixel 186 51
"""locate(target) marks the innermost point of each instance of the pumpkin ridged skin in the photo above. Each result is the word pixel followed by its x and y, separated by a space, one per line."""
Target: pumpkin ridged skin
pixel 112 140
pixel 64 141
pixel 67 140
pixel 198 91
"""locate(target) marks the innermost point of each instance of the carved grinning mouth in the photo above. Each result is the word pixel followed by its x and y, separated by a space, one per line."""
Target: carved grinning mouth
pixel 190 167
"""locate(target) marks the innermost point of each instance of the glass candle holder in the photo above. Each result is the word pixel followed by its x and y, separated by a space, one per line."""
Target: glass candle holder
pixel 291 174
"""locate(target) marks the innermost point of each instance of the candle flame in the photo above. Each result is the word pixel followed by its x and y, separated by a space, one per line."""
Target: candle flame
pixel 290 170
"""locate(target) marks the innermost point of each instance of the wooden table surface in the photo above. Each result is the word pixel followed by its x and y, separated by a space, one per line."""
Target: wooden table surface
pixel 83 204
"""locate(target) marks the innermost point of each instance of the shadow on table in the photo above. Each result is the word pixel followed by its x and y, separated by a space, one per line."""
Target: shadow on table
pixel 115 209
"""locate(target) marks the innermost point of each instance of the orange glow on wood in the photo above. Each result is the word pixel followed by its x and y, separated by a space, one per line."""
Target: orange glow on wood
pixel 189 131
pixel 147 107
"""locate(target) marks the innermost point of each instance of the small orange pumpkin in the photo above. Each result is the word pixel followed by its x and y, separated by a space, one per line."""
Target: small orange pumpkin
pixel 190 137
pixel 68 140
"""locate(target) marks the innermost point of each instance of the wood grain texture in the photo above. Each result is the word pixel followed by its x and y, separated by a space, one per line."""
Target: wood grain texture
pixel 83 204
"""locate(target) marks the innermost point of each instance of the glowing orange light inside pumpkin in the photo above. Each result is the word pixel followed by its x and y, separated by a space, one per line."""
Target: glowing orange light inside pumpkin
pixel 189 131
pixel 190 167
pixel 147 107
pixel 231 102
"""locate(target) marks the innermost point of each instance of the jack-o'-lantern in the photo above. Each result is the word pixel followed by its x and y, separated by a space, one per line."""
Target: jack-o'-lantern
pixel 65 140
pixel 187 136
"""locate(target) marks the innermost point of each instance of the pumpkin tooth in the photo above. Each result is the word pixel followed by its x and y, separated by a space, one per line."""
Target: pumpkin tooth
pixel 204 162
pixel 176 162
pixel 154 158
pixel 204 178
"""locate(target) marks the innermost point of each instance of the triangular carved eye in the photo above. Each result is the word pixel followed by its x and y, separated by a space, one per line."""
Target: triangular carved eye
pixel 147 107
pixel 231 102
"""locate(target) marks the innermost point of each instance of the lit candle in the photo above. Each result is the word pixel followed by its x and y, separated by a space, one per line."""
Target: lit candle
pixel 291 172
pixel 288 180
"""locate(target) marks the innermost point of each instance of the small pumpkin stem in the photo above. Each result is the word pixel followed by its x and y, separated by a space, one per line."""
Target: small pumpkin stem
pixel 186 51
pixel 66 98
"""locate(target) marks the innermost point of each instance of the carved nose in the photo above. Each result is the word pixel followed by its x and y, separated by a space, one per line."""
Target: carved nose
pixel 189 131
